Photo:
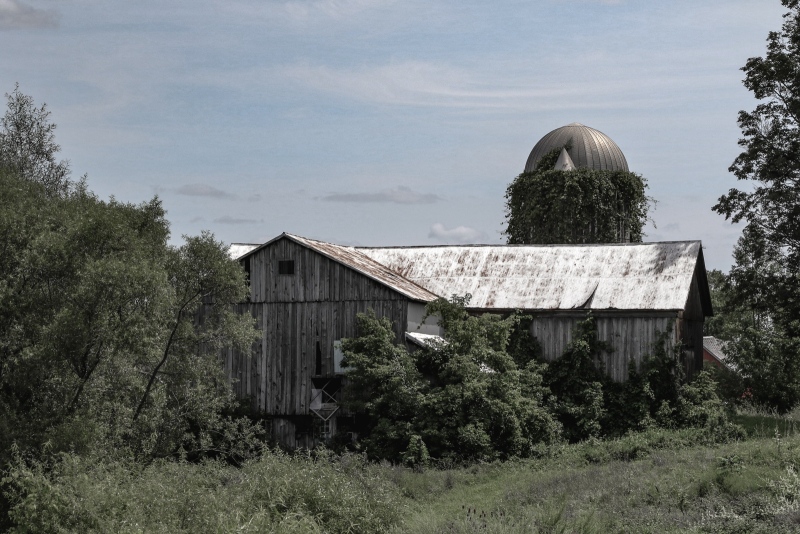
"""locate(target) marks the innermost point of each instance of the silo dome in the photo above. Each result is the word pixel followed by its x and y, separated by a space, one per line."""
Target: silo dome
pixel 590 148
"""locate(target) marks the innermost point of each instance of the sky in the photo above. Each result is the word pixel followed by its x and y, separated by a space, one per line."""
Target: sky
pixel 383 122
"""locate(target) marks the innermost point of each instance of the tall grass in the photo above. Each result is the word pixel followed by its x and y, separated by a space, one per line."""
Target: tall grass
pixel 277 493
pixel 689 480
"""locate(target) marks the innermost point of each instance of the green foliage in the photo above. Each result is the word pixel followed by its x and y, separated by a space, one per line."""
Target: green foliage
pixel 649 397
pixel 27 144
pixel 590 405
pixel 108 335
pixel 384 384
pixel 274 493
pixel 576 384
pixel 463 399
pixel 698 404
pixel 764 284
pixel 582 206
pixel 771 140
pixel 755 315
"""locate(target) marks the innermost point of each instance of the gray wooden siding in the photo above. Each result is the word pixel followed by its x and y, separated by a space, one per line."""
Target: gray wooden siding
pixel 317 304
pixel 632 337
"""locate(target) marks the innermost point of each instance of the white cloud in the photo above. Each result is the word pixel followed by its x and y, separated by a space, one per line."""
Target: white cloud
pixel 459 234
pixel 401 195
pixel 330 9
pixel 227 219
pixel 495 86
pixel 15 15
pixel 203 190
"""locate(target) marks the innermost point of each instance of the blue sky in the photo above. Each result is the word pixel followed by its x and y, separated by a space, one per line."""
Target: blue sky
pixel 380 122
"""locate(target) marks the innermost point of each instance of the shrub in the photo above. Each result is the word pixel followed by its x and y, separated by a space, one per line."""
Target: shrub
pixel 277 492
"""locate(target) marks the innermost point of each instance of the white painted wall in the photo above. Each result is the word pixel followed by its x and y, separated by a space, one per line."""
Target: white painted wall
pixel 416 311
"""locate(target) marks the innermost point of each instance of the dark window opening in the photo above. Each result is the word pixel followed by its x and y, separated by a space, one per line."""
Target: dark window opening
pixel 318 363
pixel 246 265
pixel 286 267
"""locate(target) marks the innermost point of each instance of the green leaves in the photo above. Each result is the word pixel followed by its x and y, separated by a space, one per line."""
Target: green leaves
pixel 462 399
pixel 28 147
pixel 580 206
pixel 108 334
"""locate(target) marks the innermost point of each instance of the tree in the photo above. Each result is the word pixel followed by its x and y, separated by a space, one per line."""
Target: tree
pixel 463 398
pixel 384 386
pixel 766 277
pixel 551 206
pixel 109 336
pixel 27 144
pixel 771 141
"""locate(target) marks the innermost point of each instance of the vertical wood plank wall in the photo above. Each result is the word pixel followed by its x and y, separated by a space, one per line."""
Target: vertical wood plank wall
pixel 316 304
pixel 632 338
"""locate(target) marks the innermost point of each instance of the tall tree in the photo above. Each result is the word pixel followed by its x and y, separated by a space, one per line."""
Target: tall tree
pixel 108 334
pixel 27 144
pixel 771 141
pixel 765 280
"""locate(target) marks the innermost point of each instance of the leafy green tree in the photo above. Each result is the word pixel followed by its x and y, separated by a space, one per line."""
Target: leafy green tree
pixel 384 386
pixel 463 398
pixel 27 144
pixel 758 326
pixel 771 141
pixel 108 335
pixel 765 281
pixel 551 206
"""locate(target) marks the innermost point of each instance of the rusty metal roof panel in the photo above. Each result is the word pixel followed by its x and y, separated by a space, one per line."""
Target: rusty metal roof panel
pixel 356 260
pixel 648 276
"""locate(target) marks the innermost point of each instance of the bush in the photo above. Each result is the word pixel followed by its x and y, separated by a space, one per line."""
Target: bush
pixel 277 492
pixel 464 399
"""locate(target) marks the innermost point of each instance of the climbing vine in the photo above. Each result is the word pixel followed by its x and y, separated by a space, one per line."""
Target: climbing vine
pixel 579 206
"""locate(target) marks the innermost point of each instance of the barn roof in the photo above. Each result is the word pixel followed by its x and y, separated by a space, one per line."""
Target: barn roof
pixel 353 258
pixel 646 276
pixel 716 348
pixel 634 276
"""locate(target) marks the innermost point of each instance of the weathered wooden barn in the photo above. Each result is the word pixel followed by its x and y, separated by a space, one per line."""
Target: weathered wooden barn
pixel 305 295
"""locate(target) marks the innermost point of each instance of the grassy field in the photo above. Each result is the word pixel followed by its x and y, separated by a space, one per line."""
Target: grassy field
pixel 657 481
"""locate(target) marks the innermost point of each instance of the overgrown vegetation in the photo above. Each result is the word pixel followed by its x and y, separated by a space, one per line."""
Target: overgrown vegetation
pixel 108 335
pixel 467 398
pixel 658 480
pixel 551 206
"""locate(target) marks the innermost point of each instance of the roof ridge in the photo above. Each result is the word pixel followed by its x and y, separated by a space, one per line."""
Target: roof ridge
pixel 554 245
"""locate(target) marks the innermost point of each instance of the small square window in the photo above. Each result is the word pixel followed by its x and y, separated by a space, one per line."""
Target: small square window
pixel 286 267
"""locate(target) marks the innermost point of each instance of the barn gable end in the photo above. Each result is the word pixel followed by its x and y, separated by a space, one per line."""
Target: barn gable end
pixel 305 298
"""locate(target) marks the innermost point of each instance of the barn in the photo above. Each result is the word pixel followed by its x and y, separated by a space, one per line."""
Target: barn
pixel 305 295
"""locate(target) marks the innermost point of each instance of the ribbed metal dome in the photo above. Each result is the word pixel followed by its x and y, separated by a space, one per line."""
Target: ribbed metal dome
pixel 590 148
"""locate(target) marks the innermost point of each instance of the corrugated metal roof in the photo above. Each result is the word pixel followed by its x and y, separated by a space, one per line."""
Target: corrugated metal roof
pixel 648 276
pixel 425 340
pixel 362 263
pixel 715 347
pixel 590 148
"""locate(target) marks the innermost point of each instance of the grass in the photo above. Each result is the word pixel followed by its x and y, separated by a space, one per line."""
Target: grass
pixel 658 481
pixel 655 481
